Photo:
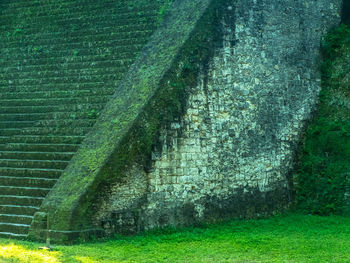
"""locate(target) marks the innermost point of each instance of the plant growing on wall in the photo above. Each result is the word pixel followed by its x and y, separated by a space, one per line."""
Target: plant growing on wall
pixel 323 180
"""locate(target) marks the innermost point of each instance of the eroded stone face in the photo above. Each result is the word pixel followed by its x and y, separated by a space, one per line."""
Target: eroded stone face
pixel 231 153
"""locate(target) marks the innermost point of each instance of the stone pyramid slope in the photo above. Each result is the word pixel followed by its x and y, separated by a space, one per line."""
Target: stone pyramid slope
pixel 152 94
pixel 60 61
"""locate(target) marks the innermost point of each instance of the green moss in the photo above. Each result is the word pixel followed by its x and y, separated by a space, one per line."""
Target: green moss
pixel 323 179
pixel 152 94
pixel 167 104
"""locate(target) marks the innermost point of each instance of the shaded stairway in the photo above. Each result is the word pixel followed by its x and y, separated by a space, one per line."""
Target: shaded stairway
pixel 60 62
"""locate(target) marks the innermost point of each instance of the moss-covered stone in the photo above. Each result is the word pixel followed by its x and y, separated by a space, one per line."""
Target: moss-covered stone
pixel 60 63
pixel 150 95
pixel 322 183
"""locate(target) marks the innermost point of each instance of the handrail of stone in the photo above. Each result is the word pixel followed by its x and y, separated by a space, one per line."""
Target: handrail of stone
pixel 127 126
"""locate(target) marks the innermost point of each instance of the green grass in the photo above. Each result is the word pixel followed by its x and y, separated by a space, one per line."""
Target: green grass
pixel 288 238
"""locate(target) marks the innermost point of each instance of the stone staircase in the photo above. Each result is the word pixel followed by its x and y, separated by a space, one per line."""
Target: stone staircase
pixel 61 60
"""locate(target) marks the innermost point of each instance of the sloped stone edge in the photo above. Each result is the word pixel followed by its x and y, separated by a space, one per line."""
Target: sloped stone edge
pixel 125 132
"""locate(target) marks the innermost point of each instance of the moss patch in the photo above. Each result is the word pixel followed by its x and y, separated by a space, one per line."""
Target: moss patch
pixel 323 180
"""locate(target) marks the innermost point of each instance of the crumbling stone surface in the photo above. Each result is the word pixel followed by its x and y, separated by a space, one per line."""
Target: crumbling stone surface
pixel 232 151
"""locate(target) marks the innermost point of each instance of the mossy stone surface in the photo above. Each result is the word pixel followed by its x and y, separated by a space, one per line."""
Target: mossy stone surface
pixel 128 126
pixel 323 178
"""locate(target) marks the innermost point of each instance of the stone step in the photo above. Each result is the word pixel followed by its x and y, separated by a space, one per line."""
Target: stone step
pixel 52 108
pixel 120 9
pixel 57 94
pixel 21 117
pixel 39 147
pixel 60 4
pixel 74 23
pixel 55 123
pixel 43 164
pixel 32 37
pixel 20 200
pixel 54 87
pixel 67 50
pixel 25 155
pixel 38 77
pixel 42 69
pixel 70 67
pixel 14 228
pixel 77 8
pixel 27 182
pixel 18 210
pixel 16 219
pixel 31 172
pixel 48 139
pixel 16 124
pixel 66 30
pixel 12 80
pixel 69 53
pixel 64 72
pixel 39 40
pixel 71 24
pixel 70 19
pixel 45 131
pixel 58 118
pixel 109 79
pixel 88 122
pixel 22 191
pixel 50 101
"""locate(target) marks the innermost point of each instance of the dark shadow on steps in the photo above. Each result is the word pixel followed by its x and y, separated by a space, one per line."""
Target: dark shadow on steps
pixel 346 12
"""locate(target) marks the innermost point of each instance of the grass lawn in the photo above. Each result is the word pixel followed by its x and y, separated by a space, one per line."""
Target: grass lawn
pixel 287 238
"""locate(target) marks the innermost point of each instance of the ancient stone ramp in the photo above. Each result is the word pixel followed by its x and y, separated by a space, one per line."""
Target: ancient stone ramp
pixel 60 63
pixel 150 93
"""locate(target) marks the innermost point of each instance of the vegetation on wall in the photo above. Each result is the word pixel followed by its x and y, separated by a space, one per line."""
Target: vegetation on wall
pixel 323 177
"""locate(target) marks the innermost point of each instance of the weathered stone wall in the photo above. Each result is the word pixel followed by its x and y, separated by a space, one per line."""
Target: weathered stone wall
pixel 231 153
